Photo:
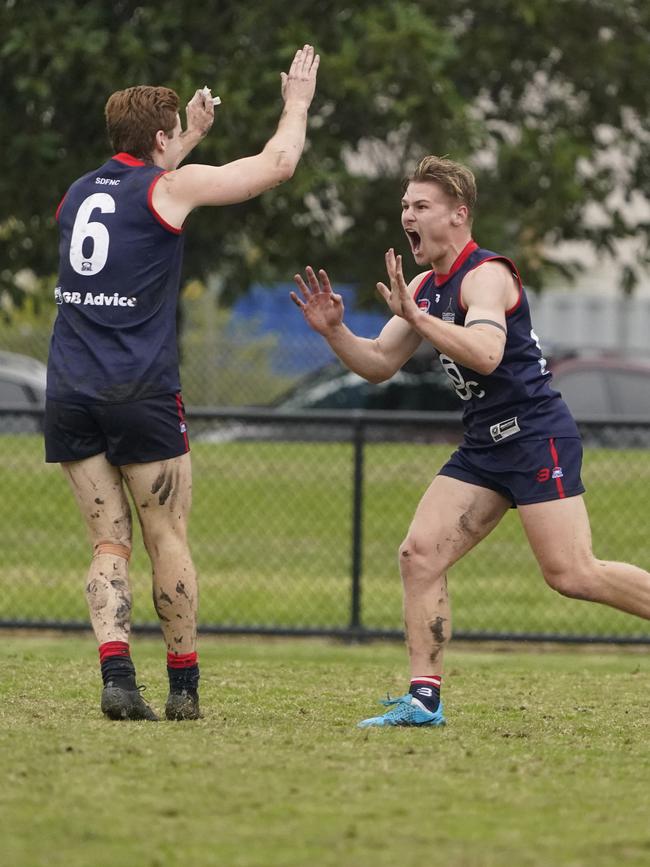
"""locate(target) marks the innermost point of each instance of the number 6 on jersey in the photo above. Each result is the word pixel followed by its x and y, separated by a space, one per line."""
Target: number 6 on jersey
pixel 84 228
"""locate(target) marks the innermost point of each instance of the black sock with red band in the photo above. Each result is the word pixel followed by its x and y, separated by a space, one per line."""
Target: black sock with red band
pixel 183 672
pixel 116 664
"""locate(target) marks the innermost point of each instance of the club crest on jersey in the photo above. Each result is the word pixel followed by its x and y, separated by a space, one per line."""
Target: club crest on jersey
pixel 424 304
pixel 557 473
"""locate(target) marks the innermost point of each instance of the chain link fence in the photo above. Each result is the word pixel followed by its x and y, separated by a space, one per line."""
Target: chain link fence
pixel 296 523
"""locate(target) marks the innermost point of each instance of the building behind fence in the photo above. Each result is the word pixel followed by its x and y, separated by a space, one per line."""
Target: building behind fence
pixel 296 523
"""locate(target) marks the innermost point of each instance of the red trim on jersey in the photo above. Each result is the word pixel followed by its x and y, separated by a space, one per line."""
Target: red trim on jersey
pixel 181 417
pixel 464 254
pixel 555 458
pixel 128 160
pixel 513 268
pixel 421 284
pixel 58 210
pixel 163 222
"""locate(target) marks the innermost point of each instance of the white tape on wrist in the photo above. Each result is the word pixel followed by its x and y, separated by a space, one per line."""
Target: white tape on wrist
pixel 208 95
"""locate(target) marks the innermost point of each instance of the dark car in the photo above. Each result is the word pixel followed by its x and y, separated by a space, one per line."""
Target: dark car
pixel 22 387
pixel 606 393
pixel 420 386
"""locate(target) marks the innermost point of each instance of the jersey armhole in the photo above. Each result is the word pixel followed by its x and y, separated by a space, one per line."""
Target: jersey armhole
pixel 515 274
pixel 163 222
pixel 420 285
pixel 60 205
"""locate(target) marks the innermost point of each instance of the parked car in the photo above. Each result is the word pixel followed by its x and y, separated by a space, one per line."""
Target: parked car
pixel 421 385
pixel 605 386
pixel 599 386
pixel 612 388
pixel 22 386
pixel 594 387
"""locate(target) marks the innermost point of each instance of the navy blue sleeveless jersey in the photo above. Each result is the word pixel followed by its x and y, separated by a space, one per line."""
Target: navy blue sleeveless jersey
pixel 516 400
pixel 114 337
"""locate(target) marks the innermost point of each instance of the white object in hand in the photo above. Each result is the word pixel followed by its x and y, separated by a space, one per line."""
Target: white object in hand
pixel 208 95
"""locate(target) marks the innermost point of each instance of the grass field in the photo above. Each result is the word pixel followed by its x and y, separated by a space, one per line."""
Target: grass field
pixel 543 763
pixel 271 536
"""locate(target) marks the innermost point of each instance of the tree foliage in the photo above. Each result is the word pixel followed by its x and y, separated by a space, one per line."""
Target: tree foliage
pixel 546 99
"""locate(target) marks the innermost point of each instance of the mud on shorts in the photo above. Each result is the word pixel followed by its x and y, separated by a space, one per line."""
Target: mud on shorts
pixel 524 471
pixel 137 432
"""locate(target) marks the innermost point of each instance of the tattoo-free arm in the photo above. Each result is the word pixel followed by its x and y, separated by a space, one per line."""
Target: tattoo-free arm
pixel 191 186
pixel 374 359
pixel 487 291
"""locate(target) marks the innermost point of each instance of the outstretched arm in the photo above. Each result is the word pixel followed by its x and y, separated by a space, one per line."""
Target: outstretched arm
pixel 488 292
pixel 191 186
pixel 375 360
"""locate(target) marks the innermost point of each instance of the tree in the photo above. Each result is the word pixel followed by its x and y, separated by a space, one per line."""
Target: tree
pixel 534 94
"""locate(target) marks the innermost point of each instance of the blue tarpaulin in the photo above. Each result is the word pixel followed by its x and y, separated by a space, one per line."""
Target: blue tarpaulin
pixel 268 310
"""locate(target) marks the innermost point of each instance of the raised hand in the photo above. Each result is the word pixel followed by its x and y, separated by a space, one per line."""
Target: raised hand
pixel 299 83
pixel 397 297
pixel 321 307
pixel 200 112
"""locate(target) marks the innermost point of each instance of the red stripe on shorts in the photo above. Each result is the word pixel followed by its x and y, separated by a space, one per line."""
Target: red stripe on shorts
pixel 556 460
pixel 181 416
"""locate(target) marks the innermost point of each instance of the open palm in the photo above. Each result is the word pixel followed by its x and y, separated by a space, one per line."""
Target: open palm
pixel 321 307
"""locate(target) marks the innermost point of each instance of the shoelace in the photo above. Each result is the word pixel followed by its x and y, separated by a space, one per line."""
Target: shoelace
pixel 402 708
pixel 404 699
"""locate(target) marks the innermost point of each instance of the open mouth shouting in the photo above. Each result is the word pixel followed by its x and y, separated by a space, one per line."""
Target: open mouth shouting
pixel 414 240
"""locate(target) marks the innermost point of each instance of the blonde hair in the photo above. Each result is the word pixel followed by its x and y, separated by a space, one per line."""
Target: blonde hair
pixel 455 179
pixel 134 116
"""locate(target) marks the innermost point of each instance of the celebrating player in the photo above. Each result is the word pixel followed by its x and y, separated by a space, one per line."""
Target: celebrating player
pixel 521 446
pixel 114 414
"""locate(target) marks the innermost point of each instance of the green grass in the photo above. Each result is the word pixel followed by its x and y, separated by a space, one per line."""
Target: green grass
pixel 271 536
pixel 544 761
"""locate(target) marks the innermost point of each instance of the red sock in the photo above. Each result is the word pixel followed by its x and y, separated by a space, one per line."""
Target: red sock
pixel 182 660
pixel 113 648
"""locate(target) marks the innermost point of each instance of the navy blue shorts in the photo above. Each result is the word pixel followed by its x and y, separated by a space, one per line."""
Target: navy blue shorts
pixel 523 471
pixel 138 432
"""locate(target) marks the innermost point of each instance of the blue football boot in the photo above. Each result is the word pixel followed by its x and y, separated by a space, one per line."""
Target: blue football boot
pixel 405 711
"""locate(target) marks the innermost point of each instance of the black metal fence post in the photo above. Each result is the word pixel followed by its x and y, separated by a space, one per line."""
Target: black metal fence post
pixel 358 440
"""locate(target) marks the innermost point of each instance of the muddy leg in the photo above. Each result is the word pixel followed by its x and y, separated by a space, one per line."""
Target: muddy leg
pixel 450 520
pixel 162 492
pixel 98 489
